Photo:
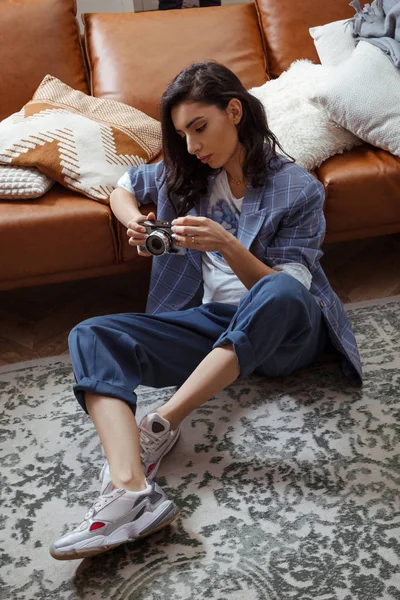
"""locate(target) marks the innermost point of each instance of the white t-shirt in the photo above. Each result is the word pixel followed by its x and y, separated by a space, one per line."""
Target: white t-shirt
pixel 220 282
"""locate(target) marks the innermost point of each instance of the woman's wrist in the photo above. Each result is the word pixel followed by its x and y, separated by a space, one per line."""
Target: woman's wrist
pixel 124 206
pixel 229 246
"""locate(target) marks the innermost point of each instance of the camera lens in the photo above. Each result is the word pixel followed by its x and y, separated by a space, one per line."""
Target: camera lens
pixel 158 243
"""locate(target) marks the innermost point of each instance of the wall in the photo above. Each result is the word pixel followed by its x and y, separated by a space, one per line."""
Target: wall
pixel 153 4
pixel 87 6
pixel 131 5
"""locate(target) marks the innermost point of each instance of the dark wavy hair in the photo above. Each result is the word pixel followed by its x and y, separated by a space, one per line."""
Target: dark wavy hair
pixel 213 84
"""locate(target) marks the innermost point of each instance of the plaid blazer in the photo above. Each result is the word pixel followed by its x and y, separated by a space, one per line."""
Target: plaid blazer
pixel 281 222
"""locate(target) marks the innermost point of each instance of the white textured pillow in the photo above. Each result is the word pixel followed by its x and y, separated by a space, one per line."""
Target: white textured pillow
pixel 334 42
pixel 363 95
pixel 303 129
pixel 23 182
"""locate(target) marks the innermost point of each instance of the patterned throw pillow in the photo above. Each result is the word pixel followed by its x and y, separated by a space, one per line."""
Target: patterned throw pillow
pixel 82 142
pixel 19 183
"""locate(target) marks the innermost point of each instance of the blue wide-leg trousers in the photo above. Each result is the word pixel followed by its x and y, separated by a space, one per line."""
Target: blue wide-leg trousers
pixel 277 328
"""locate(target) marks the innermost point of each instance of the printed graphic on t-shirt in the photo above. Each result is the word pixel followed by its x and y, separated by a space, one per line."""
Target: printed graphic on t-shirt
pixel 227 215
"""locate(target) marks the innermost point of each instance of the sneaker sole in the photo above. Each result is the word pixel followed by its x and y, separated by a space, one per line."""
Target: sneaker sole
pixel 75 554
pixel 153 473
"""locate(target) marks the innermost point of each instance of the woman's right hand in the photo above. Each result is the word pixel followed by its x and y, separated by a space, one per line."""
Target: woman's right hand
pixel 137 233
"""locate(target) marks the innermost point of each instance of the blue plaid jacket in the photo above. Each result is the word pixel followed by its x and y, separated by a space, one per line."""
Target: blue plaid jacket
pixel 281 222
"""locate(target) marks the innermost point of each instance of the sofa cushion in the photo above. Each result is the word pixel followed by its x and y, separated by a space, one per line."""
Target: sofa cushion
pixel 362 194
pixel 286 23
pixel 37 37
pixel 134 56
pixel 82 142
pixel 60 232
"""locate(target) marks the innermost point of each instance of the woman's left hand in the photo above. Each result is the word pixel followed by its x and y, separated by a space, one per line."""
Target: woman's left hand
pixel 200 233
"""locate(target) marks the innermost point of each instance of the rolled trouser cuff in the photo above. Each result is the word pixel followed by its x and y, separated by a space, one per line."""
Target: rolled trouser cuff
pixel 243 350
pixel 102 388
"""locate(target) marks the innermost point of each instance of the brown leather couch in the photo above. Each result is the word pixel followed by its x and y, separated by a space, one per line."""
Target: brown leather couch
pixel 131 58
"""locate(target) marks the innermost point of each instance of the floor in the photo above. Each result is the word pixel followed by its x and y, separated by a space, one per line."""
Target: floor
pixel 34 322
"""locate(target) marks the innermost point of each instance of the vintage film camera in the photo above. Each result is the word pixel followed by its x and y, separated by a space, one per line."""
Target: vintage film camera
pixel 160 239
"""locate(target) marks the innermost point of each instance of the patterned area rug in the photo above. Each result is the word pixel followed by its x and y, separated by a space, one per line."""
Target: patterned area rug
pixel 288 489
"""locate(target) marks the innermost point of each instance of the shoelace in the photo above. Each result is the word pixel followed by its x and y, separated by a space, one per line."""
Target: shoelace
pixel 148 443
pixel 97 506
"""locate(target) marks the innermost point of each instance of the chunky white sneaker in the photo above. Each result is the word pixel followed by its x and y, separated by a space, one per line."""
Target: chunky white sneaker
pixel 105 478
pixel 114 519
pixel 156 440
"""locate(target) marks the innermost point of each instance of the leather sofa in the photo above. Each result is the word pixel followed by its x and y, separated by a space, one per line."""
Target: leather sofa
pixel 131 58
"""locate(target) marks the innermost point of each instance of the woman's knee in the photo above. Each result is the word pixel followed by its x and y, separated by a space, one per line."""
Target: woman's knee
pixel 282 288
pixel 83 330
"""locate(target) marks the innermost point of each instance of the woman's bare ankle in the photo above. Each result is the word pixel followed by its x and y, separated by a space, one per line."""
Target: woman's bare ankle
pixel 173 423
pixel 131 487
pixel 132 484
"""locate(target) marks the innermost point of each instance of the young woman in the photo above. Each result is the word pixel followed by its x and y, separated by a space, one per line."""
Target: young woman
pixel 247 295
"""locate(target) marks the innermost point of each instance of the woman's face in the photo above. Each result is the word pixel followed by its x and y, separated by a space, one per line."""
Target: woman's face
pixel 210 133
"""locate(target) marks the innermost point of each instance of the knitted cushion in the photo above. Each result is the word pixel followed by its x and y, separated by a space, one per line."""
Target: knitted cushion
pixel 19 183
pixel 82 142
